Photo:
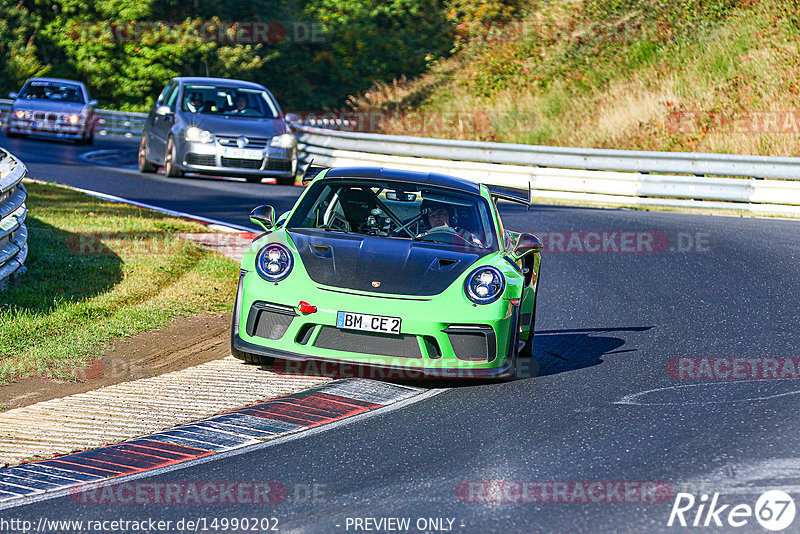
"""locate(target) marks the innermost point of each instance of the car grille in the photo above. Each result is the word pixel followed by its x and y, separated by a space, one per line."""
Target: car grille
pixel 402 346
pixel 41 115
pixel 242 163
pixel 276 164
pixel 207 160
pixel 252 142
pixel 268 321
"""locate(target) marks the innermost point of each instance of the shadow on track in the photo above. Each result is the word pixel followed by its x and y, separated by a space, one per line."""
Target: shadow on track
pixel 558 351
pixel 554 351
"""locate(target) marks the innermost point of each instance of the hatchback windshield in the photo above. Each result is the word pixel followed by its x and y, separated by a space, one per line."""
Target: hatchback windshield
pixel 397 210
pixel 56 91
pixel 236 101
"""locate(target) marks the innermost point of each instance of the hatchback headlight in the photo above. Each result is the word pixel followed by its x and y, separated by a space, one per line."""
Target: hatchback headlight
pixel 484 285
pixel 274 262
pixel 282 141
pixel 198 135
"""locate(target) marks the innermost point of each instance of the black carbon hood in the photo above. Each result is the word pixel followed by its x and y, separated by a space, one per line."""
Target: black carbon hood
pixel 399 266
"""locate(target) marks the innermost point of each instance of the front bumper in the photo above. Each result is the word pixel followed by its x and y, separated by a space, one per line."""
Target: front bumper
pixel 425 348
pixel 58 129
pixel 209 158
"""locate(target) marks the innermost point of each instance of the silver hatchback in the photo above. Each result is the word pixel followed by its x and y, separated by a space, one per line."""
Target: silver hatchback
pixel 222 127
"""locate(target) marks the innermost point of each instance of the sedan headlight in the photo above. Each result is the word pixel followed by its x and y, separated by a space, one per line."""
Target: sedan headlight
pixel 72 119
pixel 282 141
pixel 274 262
pixel 20 114
pixel 484 285
pixel 198 135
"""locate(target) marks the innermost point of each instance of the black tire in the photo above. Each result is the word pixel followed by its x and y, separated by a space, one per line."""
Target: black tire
pixel 12 135
pixel 253 179
pixel 89 139
pixel 170 170
pixel 527 350
pixel 145 166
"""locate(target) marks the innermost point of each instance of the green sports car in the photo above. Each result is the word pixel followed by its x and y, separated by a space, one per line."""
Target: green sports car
pixel 391 269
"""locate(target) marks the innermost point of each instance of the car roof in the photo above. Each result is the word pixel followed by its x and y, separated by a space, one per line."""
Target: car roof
pixel 417 178
pixel 226 82
pixel 56 80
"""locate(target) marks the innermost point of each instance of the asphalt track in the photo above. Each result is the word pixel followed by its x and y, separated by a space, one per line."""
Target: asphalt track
pixel 602 402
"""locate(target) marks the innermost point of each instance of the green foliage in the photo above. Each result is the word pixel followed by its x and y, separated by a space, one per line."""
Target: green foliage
pixel 318 52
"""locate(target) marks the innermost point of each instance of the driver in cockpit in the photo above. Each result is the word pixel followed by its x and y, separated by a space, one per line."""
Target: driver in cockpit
pixel 439 214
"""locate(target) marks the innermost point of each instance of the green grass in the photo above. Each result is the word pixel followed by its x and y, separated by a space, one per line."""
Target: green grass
pixel 98 271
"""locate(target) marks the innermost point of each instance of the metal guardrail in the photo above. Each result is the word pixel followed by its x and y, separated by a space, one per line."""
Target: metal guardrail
pixel 13 233
pixel 768 185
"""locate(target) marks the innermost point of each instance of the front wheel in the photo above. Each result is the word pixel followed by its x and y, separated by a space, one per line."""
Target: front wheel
pixel 253 179
pixel 527 350
pixel 171 169
pixel 285 180
pixel 145 166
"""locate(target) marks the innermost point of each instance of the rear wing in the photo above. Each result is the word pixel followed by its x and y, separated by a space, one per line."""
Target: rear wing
pixel 312 171
pixel 512 195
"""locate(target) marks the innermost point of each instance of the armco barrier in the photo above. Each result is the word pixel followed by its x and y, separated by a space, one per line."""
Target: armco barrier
pixel 13 233
pixel 766 185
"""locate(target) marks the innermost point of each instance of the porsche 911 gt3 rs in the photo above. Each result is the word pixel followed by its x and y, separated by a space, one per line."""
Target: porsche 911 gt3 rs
pixel 387 268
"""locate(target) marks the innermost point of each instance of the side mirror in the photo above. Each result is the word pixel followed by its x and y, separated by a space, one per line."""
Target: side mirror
pixel 163 110
pixel 93 102
pixel 527 243
pixel 13 95
pixel 264 216
pixel 291 118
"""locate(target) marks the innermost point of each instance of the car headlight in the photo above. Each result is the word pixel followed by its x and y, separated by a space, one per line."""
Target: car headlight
pixel 282 141
pixel 21 114
pixel 198 135
pixel 484 285
pixel 73 119
pixel 274 262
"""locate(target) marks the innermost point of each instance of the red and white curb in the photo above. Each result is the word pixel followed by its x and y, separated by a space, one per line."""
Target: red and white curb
pixel 242 428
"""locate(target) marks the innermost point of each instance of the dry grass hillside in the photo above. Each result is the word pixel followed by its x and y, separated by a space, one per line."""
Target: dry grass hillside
pixel 684 75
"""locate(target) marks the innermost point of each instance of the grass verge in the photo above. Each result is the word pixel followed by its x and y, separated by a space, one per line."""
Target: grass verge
pixel 98 271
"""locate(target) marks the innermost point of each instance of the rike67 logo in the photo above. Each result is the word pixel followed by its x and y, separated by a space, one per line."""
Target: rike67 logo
pixel 774 510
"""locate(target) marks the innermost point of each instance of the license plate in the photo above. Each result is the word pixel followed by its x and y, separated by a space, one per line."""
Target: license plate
pixel 44 125
pixel 242 153
pixel 370 323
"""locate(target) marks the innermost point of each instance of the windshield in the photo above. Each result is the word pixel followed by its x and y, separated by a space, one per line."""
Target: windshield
pixel 236 101
pixel 56 91
pixel 397 210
